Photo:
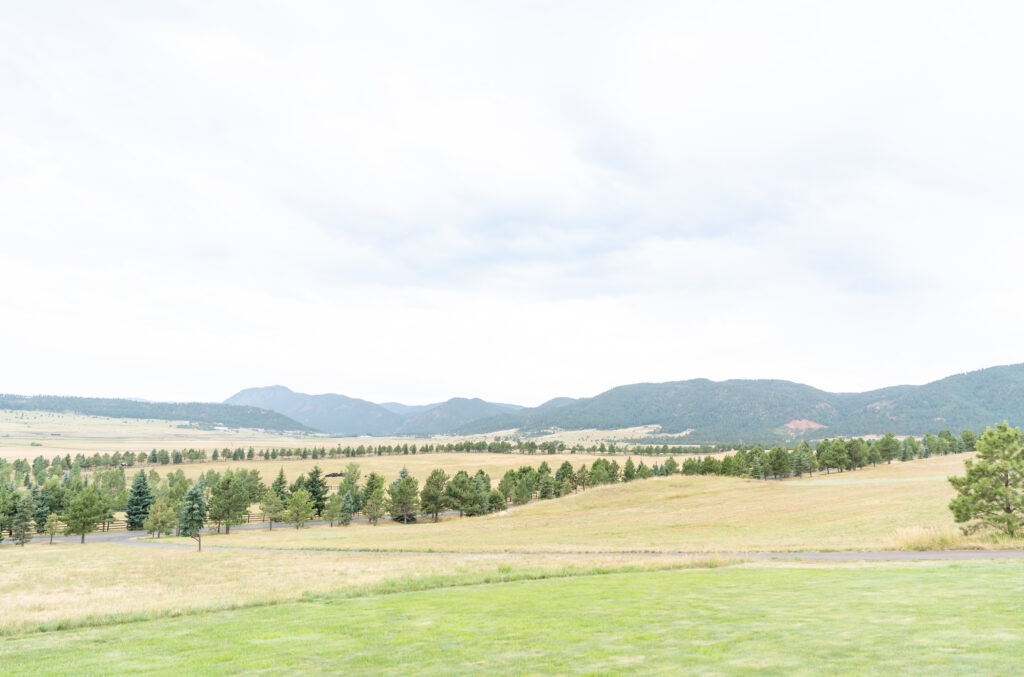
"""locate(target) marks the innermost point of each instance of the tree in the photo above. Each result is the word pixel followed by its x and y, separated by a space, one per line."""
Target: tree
pixel 547 487
pixel 376 504
pixel 332 511
pixel 991 494
pixel 629 471
pixel 969 439
pixel 22 522
pixel 193 513
pixel 778 463
pixel 272 508
pixel 348 508
pixel 404 499
pixel 160 519
pixel 85 510
pixel 671 466
pixel 496 501
pixel 52 526
pixel 280 487
pixel 888 447
pixel 300 508
pixel 316 485
pixel 460 492
pixel 229 500
pixel 432 497
pixel 41 507
pixel 140 497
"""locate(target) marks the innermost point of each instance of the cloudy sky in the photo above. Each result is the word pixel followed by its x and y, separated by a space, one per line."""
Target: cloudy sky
pixel 413 201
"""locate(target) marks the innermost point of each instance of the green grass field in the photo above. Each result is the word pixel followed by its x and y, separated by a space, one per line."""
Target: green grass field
pixel 965 618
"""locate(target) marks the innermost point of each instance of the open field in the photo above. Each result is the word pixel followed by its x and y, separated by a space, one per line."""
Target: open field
pixel 27 434
pixel 852 510
pixel 964 618
pixel 64 585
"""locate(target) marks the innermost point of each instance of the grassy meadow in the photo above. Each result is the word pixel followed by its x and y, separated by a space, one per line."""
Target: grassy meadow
pixel 65 585
pixel 924 619
pixel 869 508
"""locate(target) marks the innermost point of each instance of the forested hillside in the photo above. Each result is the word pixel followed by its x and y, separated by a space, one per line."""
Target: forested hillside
pixel 740 410
pixel 195 412
pixel 347 415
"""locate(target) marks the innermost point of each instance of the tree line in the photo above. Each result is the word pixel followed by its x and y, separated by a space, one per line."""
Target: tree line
pixel 77 502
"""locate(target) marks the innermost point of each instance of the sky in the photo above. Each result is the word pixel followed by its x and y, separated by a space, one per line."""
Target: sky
pixel 516 201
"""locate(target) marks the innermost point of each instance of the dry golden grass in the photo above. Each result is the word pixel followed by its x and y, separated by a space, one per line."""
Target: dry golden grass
pixel 852 510
pixel 70 584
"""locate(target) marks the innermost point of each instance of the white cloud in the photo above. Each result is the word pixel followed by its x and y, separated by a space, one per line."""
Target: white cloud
pixel 413 201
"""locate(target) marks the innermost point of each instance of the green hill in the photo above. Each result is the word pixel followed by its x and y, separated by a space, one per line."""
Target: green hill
pixel 196 412
pixel 761 410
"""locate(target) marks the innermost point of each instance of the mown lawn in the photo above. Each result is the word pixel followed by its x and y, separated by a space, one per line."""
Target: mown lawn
pixel 962 618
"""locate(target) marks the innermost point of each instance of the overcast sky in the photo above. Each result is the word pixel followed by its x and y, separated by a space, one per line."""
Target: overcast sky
pixel 517 201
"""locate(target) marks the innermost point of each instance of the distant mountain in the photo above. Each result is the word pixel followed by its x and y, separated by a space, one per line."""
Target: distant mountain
pixel 749 410
pixel 453 414
pixel 195 412
pixel 346 415
pixel 328 413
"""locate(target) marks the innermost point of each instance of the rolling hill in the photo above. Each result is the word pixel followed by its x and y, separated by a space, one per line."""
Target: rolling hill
pixel 195 412
pixel 346 415
pixel 748 410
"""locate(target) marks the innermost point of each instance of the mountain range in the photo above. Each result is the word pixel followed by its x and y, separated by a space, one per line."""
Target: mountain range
pixel 348 415
pixel 696 411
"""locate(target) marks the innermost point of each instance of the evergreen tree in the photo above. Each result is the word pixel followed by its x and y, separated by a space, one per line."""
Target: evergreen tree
pixel 300 508
pixel 41 508
pixel 140 498
pixel 991 494
pixel 671 466
pixel 160 518
pixel 272 508
pixel 348 508
pixel 52 526
pixel 433 495
pixel 547 487
pixel 332 511
pixel 496 501
pixel 888 447
pixel 316 485
pixel 280 487
pixel 85 510
pixel 460 492
pixel 404 499
pixel 229 500
pixel 22 522
pixel 376 504
pixel 628 471
pixel 193 513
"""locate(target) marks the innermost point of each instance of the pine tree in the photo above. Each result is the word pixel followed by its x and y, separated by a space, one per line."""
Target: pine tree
pixel 628 471
pixel 404 498
pixel 300 508
pixel 316 485
pixel 991 494
pixel 52 526
pixel 432 497
pixel 22 521
pixel 140 498
pixel 376 504
pixel 85 510
pixel 193 513
pixel 348 508
pixel 280 487
pixel 160 518
pixel 272 508
pixel 332 511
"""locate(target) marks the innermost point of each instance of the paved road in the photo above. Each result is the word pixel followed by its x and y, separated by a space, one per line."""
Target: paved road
pixel 133 538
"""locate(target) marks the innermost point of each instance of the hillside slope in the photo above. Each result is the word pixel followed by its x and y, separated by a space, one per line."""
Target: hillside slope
pixel 749 410
pixel 196 412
